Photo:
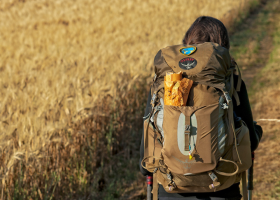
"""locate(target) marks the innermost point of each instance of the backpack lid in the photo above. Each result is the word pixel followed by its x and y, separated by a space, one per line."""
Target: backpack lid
pixel 209 64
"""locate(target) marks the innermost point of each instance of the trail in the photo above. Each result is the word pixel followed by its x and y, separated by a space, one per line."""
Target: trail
pixel 251 46
pixel 265 93
pixel 259 33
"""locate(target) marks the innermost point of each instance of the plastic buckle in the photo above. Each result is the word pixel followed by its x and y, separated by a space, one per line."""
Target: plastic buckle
pixel 225 106
pixel 153 99
pixel 169 177
pixel 155 78
pixel 146 117
pixel 155 170
pixel 188 128
pixel 213 176
pixel 228 99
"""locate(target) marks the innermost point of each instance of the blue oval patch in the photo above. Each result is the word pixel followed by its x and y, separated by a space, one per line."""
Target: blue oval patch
pixel 188 50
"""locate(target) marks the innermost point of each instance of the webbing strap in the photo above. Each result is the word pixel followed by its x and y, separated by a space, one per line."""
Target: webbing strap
pixel 155 91
pixel 236 97
pixel 225 173
pixel 231 84
pixel 155 158
pixel 244 186
pixel 187 132
pixel 239 75
pixel 239 79
pixel 155 187
pixel 230 117
pixel 231 124
pixel 187 142
pixel 233 91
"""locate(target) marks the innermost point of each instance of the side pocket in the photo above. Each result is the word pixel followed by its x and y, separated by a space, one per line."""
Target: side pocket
pixel 152 145
pixel 243 148
pixel 158 118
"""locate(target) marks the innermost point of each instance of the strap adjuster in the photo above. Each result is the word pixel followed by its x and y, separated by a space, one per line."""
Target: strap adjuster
pixel 155 78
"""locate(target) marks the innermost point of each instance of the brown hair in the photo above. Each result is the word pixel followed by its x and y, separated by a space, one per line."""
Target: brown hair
pixel 207 29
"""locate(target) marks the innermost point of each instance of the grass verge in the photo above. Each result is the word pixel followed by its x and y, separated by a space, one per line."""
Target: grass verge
pixel 265 99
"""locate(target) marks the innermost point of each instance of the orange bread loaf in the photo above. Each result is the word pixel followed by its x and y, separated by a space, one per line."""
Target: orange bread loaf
pixel 176 91
pixel 185 88
pixel 170 91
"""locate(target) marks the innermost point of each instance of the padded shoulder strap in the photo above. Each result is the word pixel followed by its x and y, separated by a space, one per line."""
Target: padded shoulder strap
pixel 233 90
pixel 239 78
pixel 239 74
pixel 235 95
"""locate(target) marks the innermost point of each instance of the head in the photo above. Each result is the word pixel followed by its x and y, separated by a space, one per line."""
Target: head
pixel 207 29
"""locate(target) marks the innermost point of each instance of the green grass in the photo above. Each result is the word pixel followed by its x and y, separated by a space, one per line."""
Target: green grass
pixel 268 77
pixel 252 31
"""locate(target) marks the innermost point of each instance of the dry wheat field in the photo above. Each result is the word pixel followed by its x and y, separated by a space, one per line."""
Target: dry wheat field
pixel 74 78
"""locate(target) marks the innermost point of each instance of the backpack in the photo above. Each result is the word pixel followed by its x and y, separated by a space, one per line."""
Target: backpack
pixel 196 147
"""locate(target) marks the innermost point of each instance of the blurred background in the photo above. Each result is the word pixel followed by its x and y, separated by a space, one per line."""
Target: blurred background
pixel 74 78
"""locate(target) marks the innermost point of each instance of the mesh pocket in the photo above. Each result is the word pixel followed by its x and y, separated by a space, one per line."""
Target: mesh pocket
pixel 152 145
pixel 243 148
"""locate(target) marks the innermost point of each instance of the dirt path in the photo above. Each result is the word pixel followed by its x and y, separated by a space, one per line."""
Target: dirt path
pixel 251 41
pixel 266 105
pixel 261 80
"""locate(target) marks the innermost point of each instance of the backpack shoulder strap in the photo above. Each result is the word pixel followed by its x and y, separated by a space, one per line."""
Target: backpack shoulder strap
pixel 234 63
pixel 239 78
pixel 235 95
pixel 237 89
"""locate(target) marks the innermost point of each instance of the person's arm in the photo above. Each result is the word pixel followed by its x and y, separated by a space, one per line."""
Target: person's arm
pixel 147 111
pixel 244 111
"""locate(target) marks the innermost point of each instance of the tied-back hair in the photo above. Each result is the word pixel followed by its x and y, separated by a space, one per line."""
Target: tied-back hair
pixel 207 29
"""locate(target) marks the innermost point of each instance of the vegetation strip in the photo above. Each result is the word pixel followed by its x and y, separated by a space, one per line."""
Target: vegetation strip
pixel 265 96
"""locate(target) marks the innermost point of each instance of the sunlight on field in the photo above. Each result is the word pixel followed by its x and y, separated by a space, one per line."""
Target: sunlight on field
pixel 58 58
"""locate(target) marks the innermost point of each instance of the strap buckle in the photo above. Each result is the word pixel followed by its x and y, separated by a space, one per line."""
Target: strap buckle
pixel 153 99
pixel 215 183
pixel 213 176
pixel 224 106
pixel 171 183
pixel 155 78
pixel 228 99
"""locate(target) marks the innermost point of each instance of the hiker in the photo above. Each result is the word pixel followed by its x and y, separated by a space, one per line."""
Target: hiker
pixel 208 29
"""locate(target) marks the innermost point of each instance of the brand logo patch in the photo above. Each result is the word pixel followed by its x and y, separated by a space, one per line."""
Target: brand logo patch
pixel 187 63
pixel 188 50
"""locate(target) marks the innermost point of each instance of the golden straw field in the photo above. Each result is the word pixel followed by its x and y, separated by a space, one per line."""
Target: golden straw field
pixel 74 79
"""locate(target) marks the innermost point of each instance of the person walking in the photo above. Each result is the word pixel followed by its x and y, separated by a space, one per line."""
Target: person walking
pixel 209 29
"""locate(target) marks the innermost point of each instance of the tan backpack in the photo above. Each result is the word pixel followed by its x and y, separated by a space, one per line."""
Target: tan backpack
pixel 203 128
